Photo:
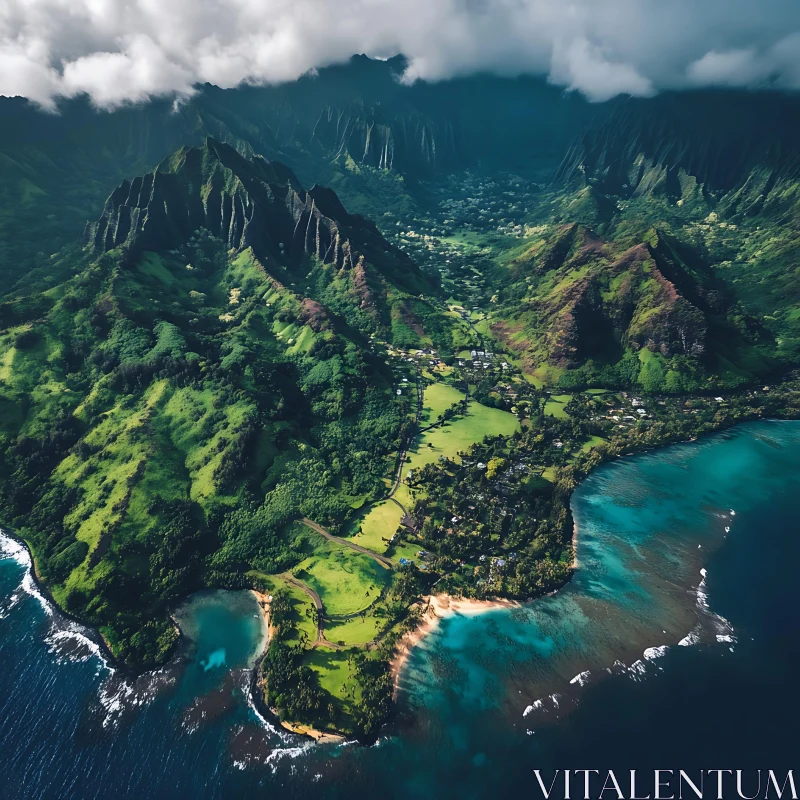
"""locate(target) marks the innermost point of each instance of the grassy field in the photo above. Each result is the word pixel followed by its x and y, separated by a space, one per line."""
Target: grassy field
pixel 335 677
pixel 437 399
pixel 460 435
pixel 374 528
pixel 300 618
pixel 593 442
pixel 347 582
pixel 403 550
pixel 354 631
pixel 404 496
pixel 555 405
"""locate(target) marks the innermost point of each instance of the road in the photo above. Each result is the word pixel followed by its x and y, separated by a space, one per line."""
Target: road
pixel 404 450
pixel 315 526
pixel 352 545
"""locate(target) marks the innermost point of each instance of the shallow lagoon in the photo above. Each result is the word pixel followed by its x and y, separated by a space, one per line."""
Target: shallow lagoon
pixel 484 699
pixel 225 629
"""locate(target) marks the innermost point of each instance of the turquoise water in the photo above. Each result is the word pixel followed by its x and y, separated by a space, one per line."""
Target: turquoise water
pixel 225 630
pixel 640 661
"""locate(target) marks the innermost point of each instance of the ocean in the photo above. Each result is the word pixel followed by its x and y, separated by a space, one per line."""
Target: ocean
pixel 675 646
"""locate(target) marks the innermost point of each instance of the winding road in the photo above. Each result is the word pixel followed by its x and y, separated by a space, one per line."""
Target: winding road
pixel 406 444
pixel 309 523
pixel 321 641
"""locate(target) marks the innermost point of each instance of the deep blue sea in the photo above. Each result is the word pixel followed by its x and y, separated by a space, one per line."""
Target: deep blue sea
pixel 675 646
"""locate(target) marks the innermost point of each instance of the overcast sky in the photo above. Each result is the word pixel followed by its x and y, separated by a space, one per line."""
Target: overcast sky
pixel 121 51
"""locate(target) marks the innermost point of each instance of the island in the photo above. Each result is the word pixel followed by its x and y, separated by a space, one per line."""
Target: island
pixel 236 383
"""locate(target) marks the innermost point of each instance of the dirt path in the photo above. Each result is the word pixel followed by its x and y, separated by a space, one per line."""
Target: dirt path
pixel 352 545
pixel 404 451
pixel 320 640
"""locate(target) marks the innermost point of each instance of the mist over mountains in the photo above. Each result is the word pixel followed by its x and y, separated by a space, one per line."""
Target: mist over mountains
pixel 122 53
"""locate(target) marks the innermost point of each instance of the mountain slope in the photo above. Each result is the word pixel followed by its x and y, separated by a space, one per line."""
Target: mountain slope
pixel 306 239
pixel 652 314
pixel 719 172
pixel 173 405
pixel 56 168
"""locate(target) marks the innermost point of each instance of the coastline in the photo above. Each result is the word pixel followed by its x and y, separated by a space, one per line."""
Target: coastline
pixel 575 563
pixel 90 632
pixel 434 608
pixel 258 685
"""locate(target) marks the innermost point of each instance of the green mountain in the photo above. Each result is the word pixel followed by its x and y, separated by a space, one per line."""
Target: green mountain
pixel 205 377
pixel 56 169
pixel 654 315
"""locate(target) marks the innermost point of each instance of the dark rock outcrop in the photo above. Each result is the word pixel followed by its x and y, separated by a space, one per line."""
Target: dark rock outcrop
pixel 246 203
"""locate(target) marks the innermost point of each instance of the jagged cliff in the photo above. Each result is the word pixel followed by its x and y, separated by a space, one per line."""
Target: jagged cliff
pixel 640 147
pixel 246 203
pixel 586 298
pixel 339 263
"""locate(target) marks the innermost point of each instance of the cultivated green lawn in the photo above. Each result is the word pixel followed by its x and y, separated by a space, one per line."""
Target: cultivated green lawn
pixel 593 442
pixel 377 524
pixel 301 619
pixel 555 405
pixel 460 435
pixel 403 550
pixel 347 582
pixel 336 678
pixel 404 496
pixel 437 399
pixel 354 631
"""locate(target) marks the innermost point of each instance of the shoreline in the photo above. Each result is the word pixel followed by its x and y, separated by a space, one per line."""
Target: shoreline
pixel 257 685
pixel 91 632
pixel 432 607
pixel 435 608
pixel 575 563
pixel 107 656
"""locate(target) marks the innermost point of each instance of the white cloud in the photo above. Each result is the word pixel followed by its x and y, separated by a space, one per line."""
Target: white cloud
pixel 579 65
pixel 126 50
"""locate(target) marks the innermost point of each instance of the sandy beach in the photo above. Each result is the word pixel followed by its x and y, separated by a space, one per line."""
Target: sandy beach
pixel 320 737
pixel 574 544
pixel 263 604
pixel 434 608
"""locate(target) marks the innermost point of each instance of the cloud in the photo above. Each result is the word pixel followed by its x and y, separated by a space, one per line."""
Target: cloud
pixel 120 51
pixel 581 66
